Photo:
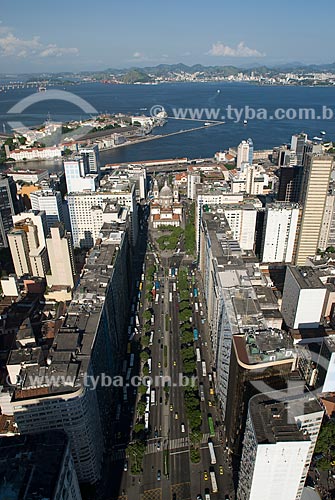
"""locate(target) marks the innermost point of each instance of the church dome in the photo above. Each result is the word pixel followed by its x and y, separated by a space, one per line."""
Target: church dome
pixel 165 192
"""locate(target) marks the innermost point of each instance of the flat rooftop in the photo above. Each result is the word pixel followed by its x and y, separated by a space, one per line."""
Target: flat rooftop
pixel 274 420
pixel 263 346
pixel 306 277
pixel 70 355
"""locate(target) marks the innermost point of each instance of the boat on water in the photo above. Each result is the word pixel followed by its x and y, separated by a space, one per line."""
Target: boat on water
pixel 42 89
pixel 245 122
pixel 322 132
pixel 317 138
pixel 207 123
pixel 218 91
pixel 143 109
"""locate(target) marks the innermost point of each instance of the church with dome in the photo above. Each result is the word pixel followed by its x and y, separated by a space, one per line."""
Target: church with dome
pixel 166 209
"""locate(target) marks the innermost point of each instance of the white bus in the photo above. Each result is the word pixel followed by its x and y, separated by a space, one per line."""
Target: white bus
pixel 196 307
pixel 197 351
pixel 212 452
pixel 170 297
pixel 213 481
pixel 204 370
pixel 146 420
pixel 174 286
pixel 157 298
pixel 149 365
pixel 153 397
pixel 151 338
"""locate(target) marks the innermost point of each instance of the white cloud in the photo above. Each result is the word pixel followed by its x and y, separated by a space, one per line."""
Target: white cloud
pixel 53 51
pixel 241 50
pixel 12 46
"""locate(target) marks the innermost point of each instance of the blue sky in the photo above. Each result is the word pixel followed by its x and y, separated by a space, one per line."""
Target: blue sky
pixel 78 35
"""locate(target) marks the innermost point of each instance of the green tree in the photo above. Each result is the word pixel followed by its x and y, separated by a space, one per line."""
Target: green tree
pixel 141 408
pixel 147 315
pixel 144 356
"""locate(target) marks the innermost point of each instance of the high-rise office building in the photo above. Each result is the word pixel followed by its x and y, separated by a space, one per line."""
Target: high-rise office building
pixel 60 251
pixel 289 186
pixel 8 207
pixel 38 218
pixel 279 232
pixel 28 253
pixel 51 202
pixel 303 298
pixel 90 154
pixel 327 227
pixel 278 445
pixel 243 151
pixel 251 151
pixel 77 175
pixel 59 394
pixel 88 211
pixel 298 142
pixel 314 190
pixel 265 355
pixel 242 221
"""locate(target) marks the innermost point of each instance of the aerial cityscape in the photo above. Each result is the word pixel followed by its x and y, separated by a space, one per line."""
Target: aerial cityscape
pixel 167 251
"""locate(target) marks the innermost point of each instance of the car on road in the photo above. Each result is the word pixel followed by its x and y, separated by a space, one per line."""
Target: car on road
pixel 158 475
pixel 161 400
pixel 209 403
pixel 182 427
pixel 171 407
pixel 221 470
pixel 158 445
pixel 199 497
pixel 161 373
pixel 174 363
pixel 125 467
pixel 156 433
pixel 176 415
pixel 159 364
pixel 205 475
pixel 226 497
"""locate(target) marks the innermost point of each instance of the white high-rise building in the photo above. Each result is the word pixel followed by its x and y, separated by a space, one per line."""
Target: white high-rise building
pixel 279 232
pixel 242 221
pixel 78 178
pixel 29 255
pixel 242 153
pixel 278 445
pixel 51 202
pixel 193 178
pixel 87 211
pixel 250 179
pixel 38 218
pixel 60 253
pixel 303 298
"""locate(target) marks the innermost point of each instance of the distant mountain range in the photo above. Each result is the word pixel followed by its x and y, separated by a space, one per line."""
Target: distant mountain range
pixel 147 73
